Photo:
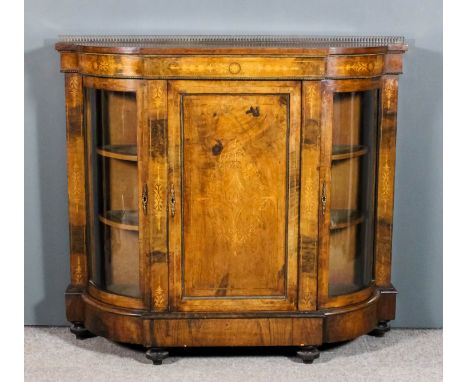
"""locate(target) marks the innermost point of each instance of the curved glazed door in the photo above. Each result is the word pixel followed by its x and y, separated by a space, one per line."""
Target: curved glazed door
pixel 234 151
pixel 349 165
pixel 115 214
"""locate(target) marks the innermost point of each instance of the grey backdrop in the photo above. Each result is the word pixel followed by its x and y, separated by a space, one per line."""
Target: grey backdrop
pixel 417 250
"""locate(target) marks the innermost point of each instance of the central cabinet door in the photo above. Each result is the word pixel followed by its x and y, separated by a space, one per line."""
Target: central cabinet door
pixel 234 153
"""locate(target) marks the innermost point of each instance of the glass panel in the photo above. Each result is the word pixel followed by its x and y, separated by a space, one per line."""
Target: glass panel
pixel 113 200
pixel 352 191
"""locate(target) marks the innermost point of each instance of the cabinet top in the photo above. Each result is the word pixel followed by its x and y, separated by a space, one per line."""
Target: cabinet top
pixel 224 44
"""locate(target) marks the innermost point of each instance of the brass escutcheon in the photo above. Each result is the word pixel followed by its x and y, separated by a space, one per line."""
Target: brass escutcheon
pixel 173 201
pixel 324 198
pixel 144 199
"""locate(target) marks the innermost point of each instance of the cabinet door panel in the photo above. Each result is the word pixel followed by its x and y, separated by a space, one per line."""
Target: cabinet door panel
pixel 349 149
pixel 233 236
pixel 114 156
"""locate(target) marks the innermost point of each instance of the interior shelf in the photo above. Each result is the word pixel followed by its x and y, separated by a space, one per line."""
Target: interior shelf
pixel 124 289
pixel 340 152
pixel 123 152
pixel 345 218
pixel 127 219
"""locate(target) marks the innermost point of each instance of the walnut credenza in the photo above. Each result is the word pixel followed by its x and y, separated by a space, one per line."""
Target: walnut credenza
pixel 230 191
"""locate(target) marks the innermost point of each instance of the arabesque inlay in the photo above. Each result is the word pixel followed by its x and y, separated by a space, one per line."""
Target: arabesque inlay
pixel 158 297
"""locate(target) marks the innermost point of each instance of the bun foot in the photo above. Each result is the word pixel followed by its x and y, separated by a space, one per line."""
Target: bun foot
pixel 157 355
pixel 308 354
pixel 80 332
pixel 382 328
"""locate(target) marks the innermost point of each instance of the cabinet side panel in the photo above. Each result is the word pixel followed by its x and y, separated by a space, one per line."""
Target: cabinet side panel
pixel 310 184
pixel 156 98
pixel 385 183
pixel 76 179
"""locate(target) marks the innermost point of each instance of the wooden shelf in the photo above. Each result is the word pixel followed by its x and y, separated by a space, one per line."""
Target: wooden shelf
pixel 340 152
pixel 122 152
pixel 345 218
pixel 127 290
pixel 127 220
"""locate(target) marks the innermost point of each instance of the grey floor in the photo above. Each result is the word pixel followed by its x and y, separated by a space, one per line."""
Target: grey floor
pixel 53 354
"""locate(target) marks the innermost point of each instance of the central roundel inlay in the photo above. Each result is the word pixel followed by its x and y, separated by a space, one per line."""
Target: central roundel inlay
pixel 234 68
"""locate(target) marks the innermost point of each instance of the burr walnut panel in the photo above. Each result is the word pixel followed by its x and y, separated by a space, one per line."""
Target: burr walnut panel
pixel 235 178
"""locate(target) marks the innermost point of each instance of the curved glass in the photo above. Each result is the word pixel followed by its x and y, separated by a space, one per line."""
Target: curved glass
pixel 354 140
pixel 113 196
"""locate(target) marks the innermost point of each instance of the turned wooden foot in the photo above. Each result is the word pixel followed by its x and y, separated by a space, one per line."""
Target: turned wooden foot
pixel 80 332
pixel 308 354
pixel 157 355
pixel 380 330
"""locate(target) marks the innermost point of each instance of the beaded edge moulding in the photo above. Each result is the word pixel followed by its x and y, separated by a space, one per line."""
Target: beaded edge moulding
pixel 232 40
